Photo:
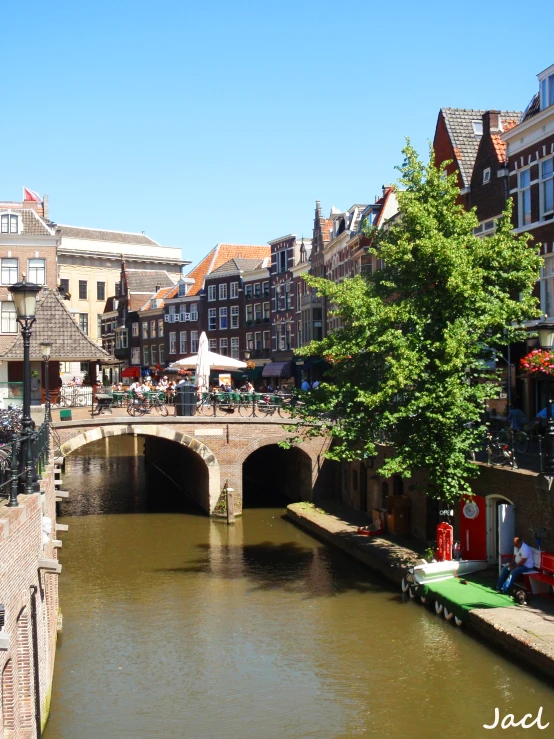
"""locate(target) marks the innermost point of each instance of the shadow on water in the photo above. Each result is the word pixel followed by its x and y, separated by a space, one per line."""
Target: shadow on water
pixel 307 571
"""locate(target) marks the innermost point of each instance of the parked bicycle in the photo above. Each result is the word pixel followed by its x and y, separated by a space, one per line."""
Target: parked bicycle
pixel 140 406
pixel 499 451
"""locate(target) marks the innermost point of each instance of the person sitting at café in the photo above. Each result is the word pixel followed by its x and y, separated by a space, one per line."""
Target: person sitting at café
pixel 522 561
pixel 249 387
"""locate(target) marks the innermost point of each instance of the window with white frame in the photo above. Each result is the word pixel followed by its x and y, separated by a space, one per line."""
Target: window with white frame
pixel 160 328
pixel 257 290
pixel 234 291
pixel 299 333
pixel 224 347
pixel 212 345
pixel 223 291
pixel 124 339
pixel 211 293
pixel 83 322
pixel 249 341
pixel 212 319
pixel 9 224
pixel 267 312
pixel 135 355
pixel 194 342
pixel 173 342
pixel 162 354
pixel 37 271
pixel 172 310
pixel 547 188
pixel 235 347
pixel 267 340
pixel 9 318
pixel 486 175
pixel 248 292
pixel 145 330
pixel 135 329
pixel 182 312
pixel 145 356
pixel 258 341
pixel 547 286
pixel 288 294
pixel 547 91
pixel 9 271
pixel 249 314
pixel 282 261
pixel 193 307
pixel 152 329
pixel 265 289
pixel 153 354
pixel 234 316
pixel 183 342
pixel 525 197
pixel 223 318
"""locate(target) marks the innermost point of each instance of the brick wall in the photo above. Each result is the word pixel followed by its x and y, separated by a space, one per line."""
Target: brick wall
pixel 30 599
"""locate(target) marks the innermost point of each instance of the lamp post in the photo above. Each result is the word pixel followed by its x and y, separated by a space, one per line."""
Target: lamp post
pixel 25 298
pixel 46 348
pixel 545 330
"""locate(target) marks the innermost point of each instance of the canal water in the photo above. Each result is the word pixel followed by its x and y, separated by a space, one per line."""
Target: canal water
pixel 178 627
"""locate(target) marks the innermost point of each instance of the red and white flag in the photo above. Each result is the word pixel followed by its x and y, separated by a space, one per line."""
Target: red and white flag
pixel 31 195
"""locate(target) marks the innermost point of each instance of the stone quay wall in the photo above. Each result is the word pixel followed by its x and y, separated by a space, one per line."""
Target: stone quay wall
pixel 29 595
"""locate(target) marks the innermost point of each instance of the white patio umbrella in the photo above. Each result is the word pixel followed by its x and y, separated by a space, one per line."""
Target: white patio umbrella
pixel 203 364
pixel 215 361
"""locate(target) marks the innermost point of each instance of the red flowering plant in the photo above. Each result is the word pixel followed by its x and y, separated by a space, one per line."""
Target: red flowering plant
pixel 538 362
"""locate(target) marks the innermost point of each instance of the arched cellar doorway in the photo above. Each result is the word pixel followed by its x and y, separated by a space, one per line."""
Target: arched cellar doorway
pixel 272 477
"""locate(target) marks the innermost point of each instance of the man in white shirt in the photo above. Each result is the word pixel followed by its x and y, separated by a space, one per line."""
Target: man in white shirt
pixel 522 561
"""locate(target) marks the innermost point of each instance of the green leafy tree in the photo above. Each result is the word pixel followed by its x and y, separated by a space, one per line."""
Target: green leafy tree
pixel 407 364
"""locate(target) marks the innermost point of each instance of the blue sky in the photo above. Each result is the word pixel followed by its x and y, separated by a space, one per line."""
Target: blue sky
pixel 225 121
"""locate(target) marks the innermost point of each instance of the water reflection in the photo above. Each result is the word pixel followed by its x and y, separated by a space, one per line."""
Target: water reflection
pixel 177 626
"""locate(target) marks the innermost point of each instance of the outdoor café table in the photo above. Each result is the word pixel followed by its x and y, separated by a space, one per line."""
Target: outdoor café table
pixel 103 403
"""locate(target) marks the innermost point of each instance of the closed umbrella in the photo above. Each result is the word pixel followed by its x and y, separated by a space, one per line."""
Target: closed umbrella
pixel 203 364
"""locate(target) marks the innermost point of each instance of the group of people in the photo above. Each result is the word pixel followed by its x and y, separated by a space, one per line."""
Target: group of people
pixel 305 386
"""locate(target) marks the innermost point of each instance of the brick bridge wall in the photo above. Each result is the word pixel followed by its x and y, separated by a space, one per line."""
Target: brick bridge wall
pixel 30 598
pixel 224 445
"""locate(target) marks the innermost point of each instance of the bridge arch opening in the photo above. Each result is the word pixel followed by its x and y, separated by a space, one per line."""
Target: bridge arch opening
pixel 274 477
pixel 189 467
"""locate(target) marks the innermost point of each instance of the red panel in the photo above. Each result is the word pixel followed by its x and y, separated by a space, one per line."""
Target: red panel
pixel 473 531
pixel 547 562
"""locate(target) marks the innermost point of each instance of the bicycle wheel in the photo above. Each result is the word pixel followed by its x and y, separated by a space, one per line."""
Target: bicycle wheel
pixel 521 442
pixel 162 409
pixel 133 409
pixel 207 407
pixel 245 408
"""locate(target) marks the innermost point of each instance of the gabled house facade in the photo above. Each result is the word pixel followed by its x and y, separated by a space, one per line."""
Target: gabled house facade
pixel 28 244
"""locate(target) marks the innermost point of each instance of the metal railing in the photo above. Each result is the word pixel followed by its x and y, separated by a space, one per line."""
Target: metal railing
pixel 23 461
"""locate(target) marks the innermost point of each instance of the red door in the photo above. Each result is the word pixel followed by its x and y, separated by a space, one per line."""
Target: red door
pixel 473 527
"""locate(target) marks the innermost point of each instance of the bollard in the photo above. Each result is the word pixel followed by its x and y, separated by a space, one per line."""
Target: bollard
pixel 230 503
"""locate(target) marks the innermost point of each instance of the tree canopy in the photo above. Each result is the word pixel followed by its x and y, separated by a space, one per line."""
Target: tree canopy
pixel 407 363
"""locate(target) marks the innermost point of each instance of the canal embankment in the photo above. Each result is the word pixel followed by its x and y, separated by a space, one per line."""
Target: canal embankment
pixel 525 633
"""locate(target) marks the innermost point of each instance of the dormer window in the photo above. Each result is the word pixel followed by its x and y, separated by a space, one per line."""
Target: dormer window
pixel 9 224
pixel 547 91
pixel 182 289
pixel 486 175
pixel 477 127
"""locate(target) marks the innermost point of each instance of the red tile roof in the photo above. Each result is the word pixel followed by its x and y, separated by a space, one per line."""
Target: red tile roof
pixel 219 255
pixel 499 145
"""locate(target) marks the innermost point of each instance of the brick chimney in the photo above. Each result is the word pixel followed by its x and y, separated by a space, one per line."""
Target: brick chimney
pixel 491 122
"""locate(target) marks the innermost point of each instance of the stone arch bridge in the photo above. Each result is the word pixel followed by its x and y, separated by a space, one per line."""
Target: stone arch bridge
pixel 200 453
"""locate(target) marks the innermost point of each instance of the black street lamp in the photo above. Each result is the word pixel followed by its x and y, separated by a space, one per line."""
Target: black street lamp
pixel 545 330
pixel 25 298
pixel 46 348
